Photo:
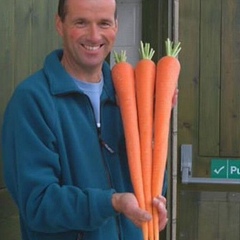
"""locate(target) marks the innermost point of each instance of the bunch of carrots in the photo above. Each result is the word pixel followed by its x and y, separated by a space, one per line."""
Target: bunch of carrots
pixel 145 99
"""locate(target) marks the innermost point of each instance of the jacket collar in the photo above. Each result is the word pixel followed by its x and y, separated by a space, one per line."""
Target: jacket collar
pixel 61 83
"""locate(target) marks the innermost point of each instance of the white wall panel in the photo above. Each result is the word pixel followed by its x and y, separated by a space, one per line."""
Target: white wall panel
pixel 129 33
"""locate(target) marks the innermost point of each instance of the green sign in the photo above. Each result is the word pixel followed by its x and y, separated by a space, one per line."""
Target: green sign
pixel 225 168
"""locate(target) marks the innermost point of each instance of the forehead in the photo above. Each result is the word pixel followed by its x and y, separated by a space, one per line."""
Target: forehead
pixel 91 8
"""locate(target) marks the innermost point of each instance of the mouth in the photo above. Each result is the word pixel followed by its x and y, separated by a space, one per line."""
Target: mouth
pixel 92 48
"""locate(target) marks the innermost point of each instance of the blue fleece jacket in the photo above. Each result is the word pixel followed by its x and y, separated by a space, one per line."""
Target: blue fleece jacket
pixel 57 165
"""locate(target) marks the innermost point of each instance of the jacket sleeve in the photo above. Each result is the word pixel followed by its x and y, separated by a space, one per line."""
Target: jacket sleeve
pixel 32 173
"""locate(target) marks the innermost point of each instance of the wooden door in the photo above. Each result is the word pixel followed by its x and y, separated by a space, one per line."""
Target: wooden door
pixel 209 116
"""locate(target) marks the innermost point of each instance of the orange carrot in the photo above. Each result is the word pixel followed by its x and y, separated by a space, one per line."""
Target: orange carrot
pixel 124 83
pixel 168 69
pixel 145 72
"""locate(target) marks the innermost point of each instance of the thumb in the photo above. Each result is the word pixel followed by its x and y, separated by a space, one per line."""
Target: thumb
pixel 144 215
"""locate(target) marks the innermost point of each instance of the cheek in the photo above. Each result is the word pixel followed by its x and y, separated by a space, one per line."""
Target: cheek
pixel 112 36
pixel 74 34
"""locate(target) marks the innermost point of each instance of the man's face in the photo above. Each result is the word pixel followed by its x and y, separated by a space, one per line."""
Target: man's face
pixel 88 31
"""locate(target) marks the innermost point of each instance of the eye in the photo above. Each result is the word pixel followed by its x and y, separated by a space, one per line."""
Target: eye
pixel 106 24
pixel 80 23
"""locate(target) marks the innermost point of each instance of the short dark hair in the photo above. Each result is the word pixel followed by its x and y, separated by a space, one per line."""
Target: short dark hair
pixel 62 10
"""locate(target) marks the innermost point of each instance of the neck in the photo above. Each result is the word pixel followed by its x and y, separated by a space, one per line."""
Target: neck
pixel 92 75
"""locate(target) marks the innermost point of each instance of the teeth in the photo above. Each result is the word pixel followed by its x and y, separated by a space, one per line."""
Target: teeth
pixel 91 48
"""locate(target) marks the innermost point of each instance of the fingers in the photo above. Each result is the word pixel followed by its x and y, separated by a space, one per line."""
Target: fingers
pixel 160 203
pixel 163 219
pixel 127 204
pixel 140 217
pixel 143 216
pixel 175 98
pixel 160 199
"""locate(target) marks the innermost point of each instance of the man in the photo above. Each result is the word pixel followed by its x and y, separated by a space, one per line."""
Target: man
pixel 64 155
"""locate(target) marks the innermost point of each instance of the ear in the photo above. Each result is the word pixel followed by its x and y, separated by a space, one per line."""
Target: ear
pixel 59 25
pixel 116 22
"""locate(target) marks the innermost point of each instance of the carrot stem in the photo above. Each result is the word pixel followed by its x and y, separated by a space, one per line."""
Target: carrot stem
pixel 172 49
pixel 145 51
pixel 120 57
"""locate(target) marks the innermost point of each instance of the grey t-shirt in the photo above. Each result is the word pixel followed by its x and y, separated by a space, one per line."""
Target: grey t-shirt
pixel 93 91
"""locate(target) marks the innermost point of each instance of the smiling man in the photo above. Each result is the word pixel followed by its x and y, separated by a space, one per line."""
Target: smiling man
pixel 64 153
pixel 88 29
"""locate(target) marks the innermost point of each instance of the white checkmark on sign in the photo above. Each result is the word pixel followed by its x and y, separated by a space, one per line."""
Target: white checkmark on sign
pixel 217 171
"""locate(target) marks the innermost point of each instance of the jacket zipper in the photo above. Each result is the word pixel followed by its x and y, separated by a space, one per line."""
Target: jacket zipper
pixel 109 149
pixel 103 143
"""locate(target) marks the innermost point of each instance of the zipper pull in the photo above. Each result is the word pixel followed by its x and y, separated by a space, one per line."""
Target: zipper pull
pixel 103 143
pixel 106 146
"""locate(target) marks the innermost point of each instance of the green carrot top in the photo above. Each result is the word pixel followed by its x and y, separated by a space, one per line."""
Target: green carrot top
pixel 145 51
pixel 120 57
pixel 172 49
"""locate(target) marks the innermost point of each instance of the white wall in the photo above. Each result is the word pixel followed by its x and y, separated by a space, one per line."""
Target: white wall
pixel 129 33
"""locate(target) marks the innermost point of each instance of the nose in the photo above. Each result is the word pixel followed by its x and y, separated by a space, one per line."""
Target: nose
pixel 94 33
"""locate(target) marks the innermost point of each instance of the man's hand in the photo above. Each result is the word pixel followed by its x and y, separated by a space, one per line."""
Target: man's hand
pixel 127 204
pixel 160 203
